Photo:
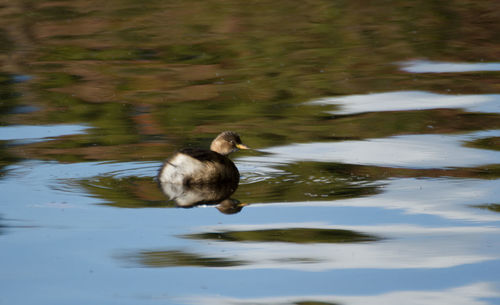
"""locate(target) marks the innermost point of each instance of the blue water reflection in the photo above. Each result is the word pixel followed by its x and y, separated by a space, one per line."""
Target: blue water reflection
pixel 444 198
pixel 427 66
pixel 411 100
pixel 410 151
pixel 37 133
pixel 464 295
pixel 424 225
pixel 411 250
pixel 406 247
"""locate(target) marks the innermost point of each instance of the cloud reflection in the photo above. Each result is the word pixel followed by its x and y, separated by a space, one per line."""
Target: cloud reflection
pixel 411 151
pixel 403 247
pixel 473 294
pixel 302 235
pixel 411 100
pixel 446 198
pixel 427 66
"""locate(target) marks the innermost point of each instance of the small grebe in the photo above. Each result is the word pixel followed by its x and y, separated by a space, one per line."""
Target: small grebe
pixel 192 166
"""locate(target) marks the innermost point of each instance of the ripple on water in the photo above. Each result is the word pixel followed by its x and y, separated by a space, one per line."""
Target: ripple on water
pixel 445 198
pixel 460 295
pixel 54 183
pixel 409 151
pixel 288 246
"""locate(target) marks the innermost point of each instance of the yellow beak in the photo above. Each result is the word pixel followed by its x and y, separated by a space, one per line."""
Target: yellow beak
pixel 242 146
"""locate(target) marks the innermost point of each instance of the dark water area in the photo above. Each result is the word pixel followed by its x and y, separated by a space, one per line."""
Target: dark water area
pixel 373 178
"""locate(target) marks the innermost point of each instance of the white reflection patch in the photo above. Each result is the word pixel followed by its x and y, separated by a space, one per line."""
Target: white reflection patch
pixel 427 66
pixel 406 247
pixel 411 100
pixel 473 294
pixel 446 198
pixel 410 151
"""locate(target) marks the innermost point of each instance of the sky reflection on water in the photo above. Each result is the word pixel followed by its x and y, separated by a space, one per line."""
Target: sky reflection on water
pixel 473 294
pixel 410 151
pixel 20 132
pixel 445 198
pixel 427 66
pixel 406 247
pixel 406 244
pixel 411 100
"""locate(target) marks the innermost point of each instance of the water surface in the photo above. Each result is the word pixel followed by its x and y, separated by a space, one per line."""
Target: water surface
pixel 374 177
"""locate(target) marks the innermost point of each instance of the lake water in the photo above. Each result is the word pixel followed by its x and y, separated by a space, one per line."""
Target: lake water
pixel 374 176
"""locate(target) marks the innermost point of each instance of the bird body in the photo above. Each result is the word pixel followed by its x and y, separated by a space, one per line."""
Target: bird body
pixel 192 166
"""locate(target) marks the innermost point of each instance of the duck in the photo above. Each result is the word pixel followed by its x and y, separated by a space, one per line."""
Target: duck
pixel 194 166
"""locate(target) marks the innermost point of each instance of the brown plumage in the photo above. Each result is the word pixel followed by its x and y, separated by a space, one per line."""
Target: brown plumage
pixel 191 166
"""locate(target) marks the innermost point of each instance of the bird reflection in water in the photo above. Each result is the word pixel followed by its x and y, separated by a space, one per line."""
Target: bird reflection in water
pixel 188 196
pixel 193 177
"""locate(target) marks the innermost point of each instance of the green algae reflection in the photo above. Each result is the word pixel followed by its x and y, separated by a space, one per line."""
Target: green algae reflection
pixel 494 207
pixel 289 235
pixel 181 258
pixel 127 192
pixel 315 303
pixel 176 258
